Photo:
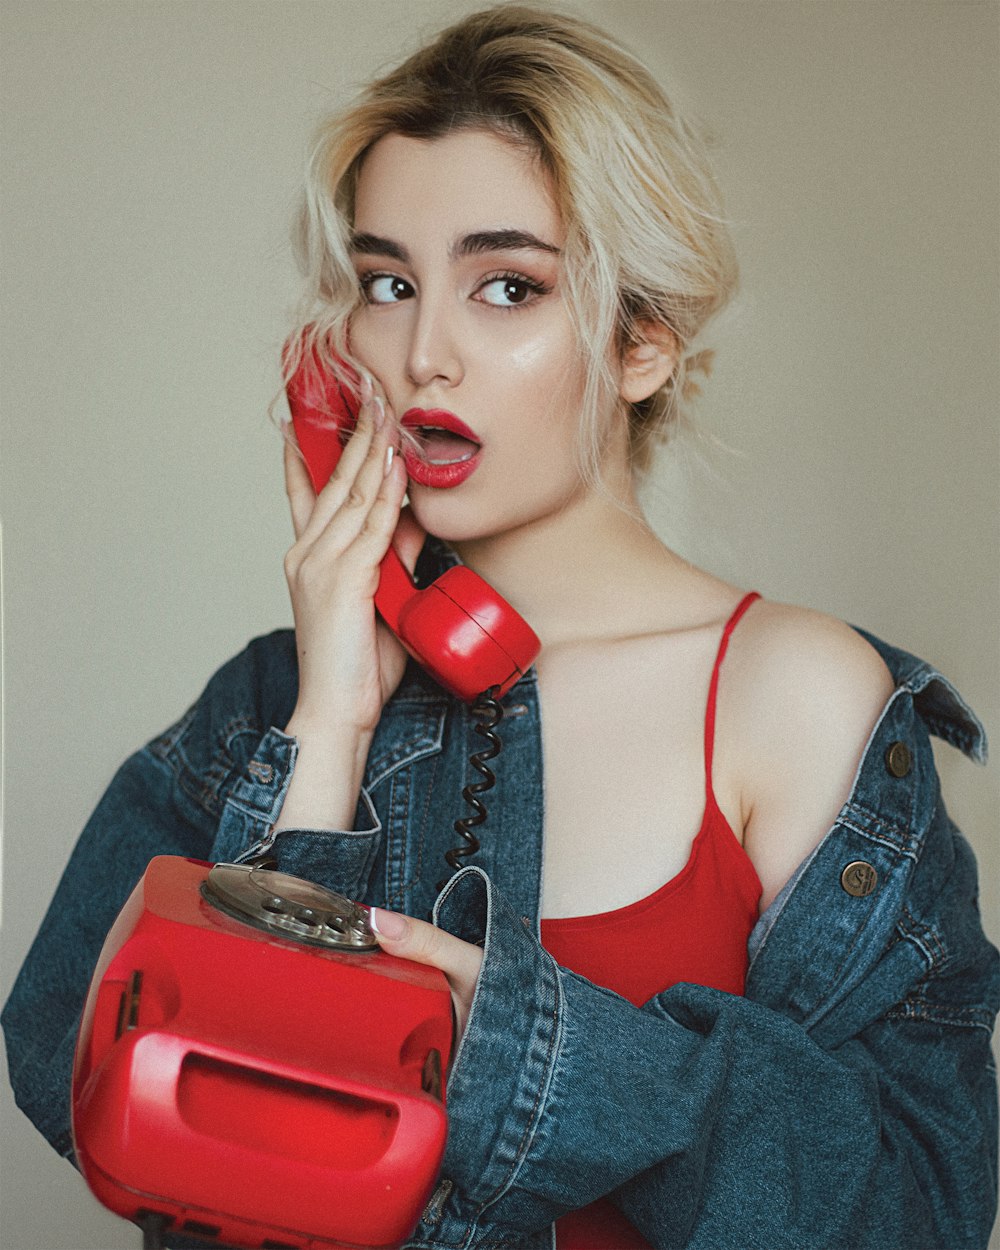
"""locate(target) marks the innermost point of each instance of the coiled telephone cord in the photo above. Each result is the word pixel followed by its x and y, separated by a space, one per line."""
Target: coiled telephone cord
pixel 490 713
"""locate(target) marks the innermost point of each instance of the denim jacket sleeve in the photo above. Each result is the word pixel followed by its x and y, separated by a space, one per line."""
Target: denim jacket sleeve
pixel 848 1100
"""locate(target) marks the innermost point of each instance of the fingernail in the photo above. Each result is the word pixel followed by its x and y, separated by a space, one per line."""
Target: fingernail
pixel 379 410
pixel 389 453
pixel 366 390
pixel 387 924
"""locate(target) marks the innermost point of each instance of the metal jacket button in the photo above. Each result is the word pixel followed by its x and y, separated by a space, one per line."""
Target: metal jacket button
pixel 898 759
pixel 859 878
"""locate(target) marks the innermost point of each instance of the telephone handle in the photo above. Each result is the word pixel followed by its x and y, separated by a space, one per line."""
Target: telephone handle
pixel 458 628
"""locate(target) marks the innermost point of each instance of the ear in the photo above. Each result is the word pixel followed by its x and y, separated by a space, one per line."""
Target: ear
pixel 648 361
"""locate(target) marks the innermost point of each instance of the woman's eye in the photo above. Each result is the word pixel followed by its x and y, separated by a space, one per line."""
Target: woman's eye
pixel 385 288
pixel 508 292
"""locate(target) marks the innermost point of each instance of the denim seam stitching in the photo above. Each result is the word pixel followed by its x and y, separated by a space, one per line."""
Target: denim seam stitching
pixel 556 1018
pixel 166 749
pixel 206 786
pixel 913 1008
pixel 163 744
pixel 926 940
pixel 399 895
pixel 432 784
pixel 399 823
pixel 419 746
pixel 899 846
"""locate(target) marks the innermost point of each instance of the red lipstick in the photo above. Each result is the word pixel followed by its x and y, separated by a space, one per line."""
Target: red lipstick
pixel 442 451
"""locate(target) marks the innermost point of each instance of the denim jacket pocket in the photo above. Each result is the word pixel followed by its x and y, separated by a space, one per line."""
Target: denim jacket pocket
pixel 254 800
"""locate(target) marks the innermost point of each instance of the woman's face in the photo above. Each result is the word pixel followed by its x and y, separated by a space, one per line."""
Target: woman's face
pixel 458 249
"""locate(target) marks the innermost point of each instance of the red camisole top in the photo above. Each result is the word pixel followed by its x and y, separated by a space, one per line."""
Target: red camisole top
pixel 694 928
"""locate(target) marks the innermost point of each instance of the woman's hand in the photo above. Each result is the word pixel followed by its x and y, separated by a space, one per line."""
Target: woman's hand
pixel 349 662
pixel 425 944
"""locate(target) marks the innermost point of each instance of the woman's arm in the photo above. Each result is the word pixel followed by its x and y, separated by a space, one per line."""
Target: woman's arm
pixel 717 1121
pixel 349 663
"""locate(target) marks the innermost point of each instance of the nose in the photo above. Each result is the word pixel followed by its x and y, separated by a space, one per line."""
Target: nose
pixel 433 354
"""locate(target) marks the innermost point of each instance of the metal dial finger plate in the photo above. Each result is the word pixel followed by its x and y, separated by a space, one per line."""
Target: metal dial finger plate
pixel 289 906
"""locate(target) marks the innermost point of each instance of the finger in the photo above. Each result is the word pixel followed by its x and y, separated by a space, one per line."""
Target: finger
pixel 372 470
pixel 368 511
pixel 338 488
pixel 376 533
pixel 409 938
pixel 298 487
pixel 355 443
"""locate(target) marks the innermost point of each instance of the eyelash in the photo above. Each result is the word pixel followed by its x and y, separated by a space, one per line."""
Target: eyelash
pixel 367 281
pixel 533 286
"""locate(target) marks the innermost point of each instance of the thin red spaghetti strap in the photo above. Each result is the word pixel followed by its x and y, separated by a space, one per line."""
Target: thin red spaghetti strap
pixel 731 624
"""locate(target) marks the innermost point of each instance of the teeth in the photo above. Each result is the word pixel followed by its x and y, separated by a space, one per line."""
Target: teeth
pixel 427 433
pixel 453 460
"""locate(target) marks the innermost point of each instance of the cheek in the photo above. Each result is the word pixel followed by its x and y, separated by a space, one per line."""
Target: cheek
pixel 544 367
pixel 531 358
pixel 545 349
pixel 550 394
pixel 357 338
pixel 371 342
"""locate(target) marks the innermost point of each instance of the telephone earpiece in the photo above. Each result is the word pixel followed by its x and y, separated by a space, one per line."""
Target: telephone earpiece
pixel 458 628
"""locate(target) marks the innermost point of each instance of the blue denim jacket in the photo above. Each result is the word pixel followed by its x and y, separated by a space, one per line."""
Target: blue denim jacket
pixel 848 1100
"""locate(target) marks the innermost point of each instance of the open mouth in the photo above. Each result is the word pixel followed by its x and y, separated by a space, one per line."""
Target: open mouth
pixel 438 446
pixel 439 449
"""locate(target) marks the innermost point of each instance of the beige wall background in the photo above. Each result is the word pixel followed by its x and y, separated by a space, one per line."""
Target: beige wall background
pixel 151 151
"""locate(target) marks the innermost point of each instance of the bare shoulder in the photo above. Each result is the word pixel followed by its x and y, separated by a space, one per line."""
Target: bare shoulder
pixel 801 660
pixel 804 692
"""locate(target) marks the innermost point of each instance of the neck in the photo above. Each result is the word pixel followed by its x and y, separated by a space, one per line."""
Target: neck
pixel 581 573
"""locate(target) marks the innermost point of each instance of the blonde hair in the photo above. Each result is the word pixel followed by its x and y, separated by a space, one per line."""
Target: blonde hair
pixel 646 238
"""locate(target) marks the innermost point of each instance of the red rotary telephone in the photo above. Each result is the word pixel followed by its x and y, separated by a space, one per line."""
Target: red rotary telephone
pixel 459 629
pixel 252 1070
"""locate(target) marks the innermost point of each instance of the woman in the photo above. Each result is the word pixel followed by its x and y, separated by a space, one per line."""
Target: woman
pixel 515 241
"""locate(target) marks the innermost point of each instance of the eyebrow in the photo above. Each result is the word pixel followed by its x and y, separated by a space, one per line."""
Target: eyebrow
pixel 474 244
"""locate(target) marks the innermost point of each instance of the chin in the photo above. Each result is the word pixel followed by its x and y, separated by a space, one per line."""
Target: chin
pixel 455 517
pixel 448 524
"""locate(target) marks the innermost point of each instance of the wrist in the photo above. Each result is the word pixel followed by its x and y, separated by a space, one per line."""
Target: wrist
pixel 328 735
pixel 326 781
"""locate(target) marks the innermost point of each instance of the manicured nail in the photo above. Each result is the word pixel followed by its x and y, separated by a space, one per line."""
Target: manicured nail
pixel 389 453
pixel 379 410
pixel 366 390
pixel 387 924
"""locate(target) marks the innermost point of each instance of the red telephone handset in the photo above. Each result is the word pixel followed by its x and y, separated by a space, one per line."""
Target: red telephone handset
pixel 458 628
